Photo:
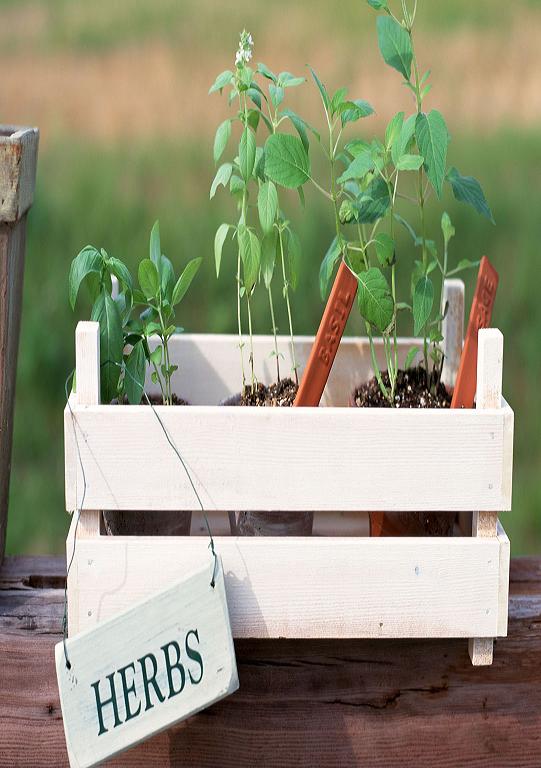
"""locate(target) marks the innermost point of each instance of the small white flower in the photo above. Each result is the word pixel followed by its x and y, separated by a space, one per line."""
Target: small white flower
pixel 244 53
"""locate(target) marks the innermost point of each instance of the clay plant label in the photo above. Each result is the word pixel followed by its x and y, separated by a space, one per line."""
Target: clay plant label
pixel 146 669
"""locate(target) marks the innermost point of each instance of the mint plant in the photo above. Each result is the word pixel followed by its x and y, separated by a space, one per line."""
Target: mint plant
pixel 371 186
pixel 123 372
pixel 264 239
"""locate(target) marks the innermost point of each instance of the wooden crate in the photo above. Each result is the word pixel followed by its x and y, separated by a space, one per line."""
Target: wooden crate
pixel 332 459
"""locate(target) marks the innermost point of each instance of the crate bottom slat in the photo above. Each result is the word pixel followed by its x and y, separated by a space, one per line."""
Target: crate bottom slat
pixel 320 587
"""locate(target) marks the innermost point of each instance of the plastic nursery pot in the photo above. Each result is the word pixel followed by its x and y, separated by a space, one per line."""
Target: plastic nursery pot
pixel 269 523
pixel 409 523
pixel 155 523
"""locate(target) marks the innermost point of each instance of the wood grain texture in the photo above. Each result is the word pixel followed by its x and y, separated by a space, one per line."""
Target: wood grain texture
pixel 452 330
pixel 18 160
pixel 342 704
pixel 306 587
pixel 334 458
pixel 18 154
pixel 488 395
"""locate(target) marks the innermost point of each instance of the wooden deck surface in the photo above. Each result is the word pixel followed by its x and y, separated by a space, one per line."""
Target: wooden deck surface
pixel 300 703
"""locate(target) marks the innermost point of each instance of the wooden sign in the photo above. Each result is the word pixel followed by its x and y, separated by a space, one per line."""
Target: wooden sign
pixel 480 317
pixel 147 668
pixel 328 337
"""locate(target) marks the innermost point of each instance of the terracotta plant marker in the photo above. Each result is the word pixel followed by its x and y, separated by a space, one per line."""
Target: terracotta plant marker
pixel 480 316
pixel 328 338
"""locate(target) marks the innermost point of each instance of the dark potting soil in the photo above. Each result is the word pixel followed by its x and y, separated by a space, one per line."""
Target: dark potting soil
pixel 154 399
pixel 411 392
pixel 281 393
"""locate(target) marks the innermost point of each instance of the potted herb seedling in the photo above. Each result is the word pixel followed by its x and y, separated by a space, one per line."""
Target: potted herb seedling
pixel 373 184
pixel 136 326
pixel 266 243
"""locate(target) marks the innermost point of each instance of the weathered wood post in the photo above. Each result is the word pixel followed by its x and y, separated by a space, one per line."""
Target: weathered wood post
pixel 18 155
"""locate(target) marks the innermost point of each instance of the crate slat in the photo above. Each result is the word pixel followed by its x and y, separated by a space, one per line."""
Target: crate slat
pixel 335 587
pixel 269 459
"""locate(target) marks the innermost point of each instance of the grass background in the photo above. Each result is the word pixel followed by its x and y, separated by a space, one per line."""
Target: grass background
pixel 119 92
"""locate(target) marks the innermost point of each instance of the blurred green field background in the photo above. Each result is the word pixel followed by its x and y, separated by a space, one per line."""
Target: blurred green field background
pixel 119 91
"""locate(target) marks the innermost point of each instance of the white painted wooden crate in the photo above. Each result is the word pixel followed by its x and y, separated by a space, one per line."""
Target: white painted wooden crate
pixel 332 459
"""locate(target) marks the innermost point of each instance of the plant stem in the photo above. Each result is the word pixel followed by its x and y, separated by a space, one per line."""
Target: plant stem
pixel 375 365
pixel 286 296
pixel 239 321
pixel 251 343
pixel 421 198
pixel 274 333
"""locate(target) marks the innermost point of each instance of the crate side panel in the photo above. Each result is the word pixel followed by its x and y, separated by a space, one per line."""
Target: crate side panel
pixel 295 587
pixel 275 459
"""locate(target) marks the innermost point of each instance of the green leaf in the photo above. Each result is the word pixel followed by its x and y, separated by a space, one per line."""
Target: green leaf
pixel 379 5
pixel 362 164
pixel 355 109
pixel 219 239
pixel 266 72
pixel 267 205
pixel 433 139
pixel 466 189
pixel 400 145
pixel 435 336
pixel 185 280
pixel 247 147
pixel 409 163
pixel 221 138
pixel 286 160
pixel 87 262
pixel 375 299
pixel 395 45
pixel 374 201
pixel 106 313
pixel 155 246
pixel 300 126
pixel 223 174
pixel 236 185
pixel 254 93
pixel 223 79
pixel 277 94
pixel 134 376
pixel 294 258
pixel 121 272
pixel 268 256
pixel 167 277
pixel 406 226
pixel 385 249
pixel 259 172
pixel 423 299
pixel 322 90
pixel 327 267
pixel 250 253
pixel 357 147
pixel 156 355
pixel 392 132
pixel 338 99
pixel 287 80
pixel 149 279
pixel 447 227
pixel 462 265
pixel 410 357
